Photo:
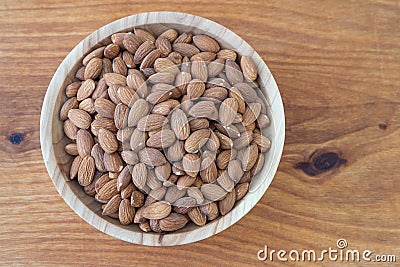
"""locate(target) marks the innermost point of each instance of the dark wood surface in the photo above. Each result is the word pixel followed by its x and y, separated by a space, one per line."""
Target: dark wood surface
pixel 337 64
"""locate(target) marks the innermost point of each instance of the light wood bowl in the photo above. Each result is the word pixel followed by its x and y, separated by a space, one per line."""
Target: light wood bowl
pixel 53 140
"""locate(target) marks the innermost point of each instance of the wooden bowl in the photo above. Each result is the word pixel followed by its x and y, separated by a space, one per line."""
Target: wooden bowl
pixel 53 140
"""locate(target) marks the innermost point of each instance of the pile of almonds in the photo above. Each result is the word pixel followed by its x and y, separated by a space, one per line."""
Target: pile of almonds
pixel 165 130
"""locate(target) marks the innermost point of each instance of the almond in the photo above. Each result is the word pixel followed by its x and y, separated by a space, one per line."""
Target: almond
pixel 227 111
pixel 185 181
pixel 216 67
pixel 148 61
pixel 210 210
pixel 173 194
pixel 129 59
pixel 235 170
pixel 114 79
pixel 138 140
pixel 249 157
pixel 165 65
pixel 139 175
pixel 191 164
pixel 151 157
pixel 87 105
pixel 162 139
pixel 164 108
pixel 143 50
pixel 79 118
pixel 119 66
pixel 241 190
pixel 199 70
pixel 72 89
pixel 218 93
pixel 162 77
pixel 71 149
pixel 93 68
pixel 180 124
pixel 249 68
pixel 204 56
pixel 213 143
pixel 113 162
pixel 262 142
pixel 130 157
pixel 182 80
pixel 71 103
pixel 195 88
pixel 208 171
pixel 195 193
pixel 243 141
pixel 206 43
pixel 152 181
pixel 173 222
pixel 140 108
pixel 151 122
pixel 251 114
pixel 170 35
pixel 121 116
pixel 113 205
pixel 123 179
pixel 196 140
pixel 233 72
pixel 225 182
pixel 98 155
pixel 197 124
pixel 107 141
pixel 86 170
pixel 104 107
pixel 95 53
pixel 163 45
pixel 227 54
pixel 111 51
pixel 202 109
pixel 73 172
pixel 176 151
pixel 185 37
pixel 212 192
pixel 226 204
pixel 247 92
pixel 225 141
pixel 131 42
pixel 163 171
pixel 197 216
pixel 126 212
pixel 144 35
pixel 157 210
pixel 101 122
pixel 223 158
pixel 84 142
pixel 137 199
pixel 186 50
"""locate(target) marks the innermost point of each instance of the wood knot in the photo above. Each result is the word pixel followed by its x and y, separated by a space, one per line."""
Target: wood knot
pixel 16 138
pixel 321 162
pixel 382 126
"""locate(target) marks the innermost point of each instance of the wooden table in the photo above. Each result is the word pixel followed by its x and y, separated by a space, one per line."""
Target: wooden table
pixel 337 64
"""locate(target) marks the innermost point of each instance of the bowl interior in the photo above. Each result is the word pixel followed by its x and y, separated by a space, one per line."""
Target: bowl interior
pixel 86 206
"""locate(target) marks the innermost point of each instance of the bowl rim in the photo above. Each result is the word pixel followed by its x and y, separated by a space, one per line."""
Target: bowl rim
pixel 120 232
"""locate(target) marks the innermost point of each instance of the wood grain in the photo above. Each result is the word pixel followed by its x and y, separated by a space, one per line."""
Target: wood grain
pixel 337 67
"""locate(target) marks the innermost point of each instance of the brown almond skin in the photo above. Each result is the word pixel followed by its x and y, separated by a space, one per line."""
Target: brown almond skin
pixel 80 118
pixel 126 212
pixel 86 171
pixel 107 141
pixel 67 106
pixel 173 222
pixel 84 142
pixel 157 210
